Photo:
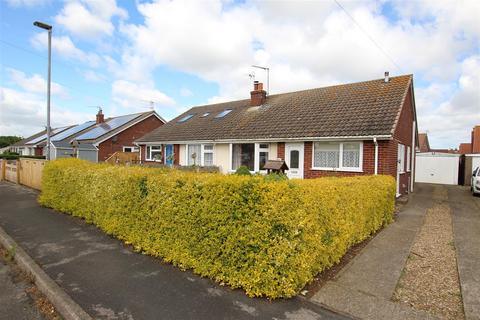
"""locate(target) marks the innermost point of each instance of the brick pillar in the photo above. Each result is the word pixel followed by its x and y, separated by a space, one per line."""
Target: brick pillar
pixel 281 150
pixel 176 156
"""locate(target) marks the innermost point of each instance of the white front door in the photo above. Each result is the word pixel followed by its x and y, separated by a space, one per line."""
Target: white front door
pixel 294 160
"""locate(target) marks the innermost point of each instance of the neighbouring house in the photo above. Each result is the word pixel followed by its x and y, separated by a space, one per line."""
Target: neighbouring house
pixel 107 136
pixel 423 143
pixel 471 151
pixel 34 145
pixel 352 129
pixel 92 140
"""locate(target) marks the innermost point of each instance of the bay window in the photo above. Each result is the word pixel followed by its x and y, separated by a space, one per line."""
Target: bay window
pixel 342 156
pixel 153 153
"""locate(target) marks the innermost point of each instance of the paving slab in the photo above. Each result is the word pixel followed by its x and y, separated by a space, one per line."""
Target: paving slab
pixel 14 301
pixel 110 281
pixel 466 227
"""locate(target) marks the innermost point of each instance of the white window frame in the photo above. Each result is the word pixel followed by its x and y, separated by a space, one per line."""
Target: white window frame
pixel 148 153
pixel 408 158
pixel 256 156
pixel 401 160
pixel 340 160
pixel 134 148
pixel 204 151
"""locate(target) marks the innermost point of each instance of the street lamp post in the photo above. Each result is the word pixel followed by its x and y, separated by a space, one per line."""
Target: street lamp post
pixel 49 29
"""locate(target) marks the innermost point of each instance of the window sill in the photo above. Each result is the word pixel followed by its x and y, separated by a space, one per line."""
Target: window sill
pixel 337 169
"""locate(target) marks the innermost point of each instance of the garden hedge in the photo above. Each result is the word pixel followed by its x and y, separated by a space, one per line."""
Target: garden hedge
pixel 267 236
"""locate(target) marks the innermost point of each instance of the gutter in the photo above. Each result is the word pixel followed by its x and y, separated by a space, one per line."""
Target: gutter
pixel 300 139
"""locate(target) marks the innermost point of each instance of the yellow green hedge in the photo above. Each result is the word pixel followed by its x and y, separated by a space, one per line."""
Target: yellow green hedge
pixel 268 237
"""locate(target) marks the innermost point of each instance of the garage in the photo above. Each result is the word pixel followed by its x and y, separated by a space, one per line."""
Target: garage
pixel 437 167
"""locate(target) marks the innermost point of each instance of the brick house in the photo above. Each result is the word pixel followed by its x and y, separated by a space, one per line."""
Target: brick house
pixel 352 129
pixel 107 136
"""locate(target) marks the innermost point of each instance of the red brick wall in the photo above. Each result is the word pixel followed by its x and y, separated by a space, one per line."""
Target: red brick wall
pixel 281 150
pixel 403 135
pixel 176 156
pixel 368 163
pixel 126 137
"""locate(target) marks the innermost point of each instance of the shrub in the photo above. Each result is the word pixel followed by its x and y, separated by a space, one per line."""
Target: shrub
pixel 243 171
pixel 268 237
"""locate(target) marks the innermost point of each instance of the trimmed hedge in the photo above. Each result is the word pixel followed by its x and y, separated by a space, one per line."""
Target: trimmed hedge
pixel 268 237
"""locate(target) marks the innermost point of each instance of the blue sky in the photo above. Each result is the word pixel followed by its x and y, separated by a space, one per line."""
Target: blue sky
pixel 120 55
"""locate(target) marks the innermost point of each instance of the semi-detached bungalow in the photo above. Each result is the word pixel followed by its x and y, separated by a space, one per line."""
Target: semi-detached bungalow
pixel 352 129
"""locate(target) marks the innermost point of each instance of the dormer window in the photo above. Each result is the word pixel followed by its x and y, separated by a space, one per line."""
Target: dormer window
pixel 205 114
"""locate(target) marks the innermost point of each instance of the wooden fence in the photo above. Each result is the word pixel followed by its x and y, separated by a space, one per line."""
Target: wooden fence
pixel 124 158
pixel 23 171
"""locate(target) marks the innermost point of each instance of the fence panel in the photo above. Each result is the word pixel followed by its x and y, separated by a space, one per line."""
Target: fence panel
pixel 30 172
pixel 11 171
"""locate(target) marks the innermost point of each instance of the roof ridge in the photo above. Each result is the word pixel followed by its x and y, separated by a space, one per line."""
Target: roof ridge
pixel 302 90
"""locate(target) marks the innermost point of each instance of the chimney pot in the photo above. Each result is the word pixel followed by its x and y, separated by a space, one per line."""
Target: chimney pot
pixel 100 117
pixel 387 78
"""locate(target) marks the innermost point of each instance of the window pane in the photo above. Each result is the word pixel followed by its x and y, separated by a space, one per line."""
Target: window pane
pixel 156 155
pixel 194 154
pixel 147 155
pixel 351 155
pixel 208 159
pixel 263 146
pixel 243 155
pixel 294 159
pixel 263 159
pixel 208 147
pixel 326 155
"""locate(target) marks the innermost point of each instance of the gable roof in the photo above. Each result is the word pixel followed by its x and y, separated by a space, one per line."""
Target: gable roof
pixel 362 109
pixel 23 142
pixel 112 126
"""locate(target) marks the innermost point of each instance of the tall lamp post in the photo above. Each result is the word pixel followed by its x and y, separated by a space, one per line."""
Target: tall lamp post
pixel 49 29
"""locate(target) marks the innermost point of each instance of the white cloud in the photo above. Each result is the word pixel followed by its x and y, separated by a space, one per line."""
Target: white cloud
pixel 27 3
pixel 23 113
pixel 451 121
pixel 65 47
pixel 135 96
pixel 36 83
pixel 90 19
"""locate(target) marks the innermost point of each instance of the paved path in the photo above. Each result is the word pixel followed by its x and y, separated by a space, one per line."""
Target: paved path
pixel 466 228
pixel 111 282
pixel 365 286
pixel 14 301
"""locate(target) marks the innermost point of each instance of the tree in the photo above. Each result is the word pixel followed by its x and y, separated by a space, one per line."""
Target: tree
pixel 8 140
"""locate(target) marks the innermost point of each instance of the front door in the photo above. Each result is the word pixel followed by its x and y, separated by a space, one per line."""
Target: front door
pixel 169 154
pixel 294 160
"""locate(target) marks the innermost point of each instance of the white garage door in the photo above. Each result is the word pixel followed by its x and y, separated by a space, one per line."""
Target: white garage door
pixel 441 168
